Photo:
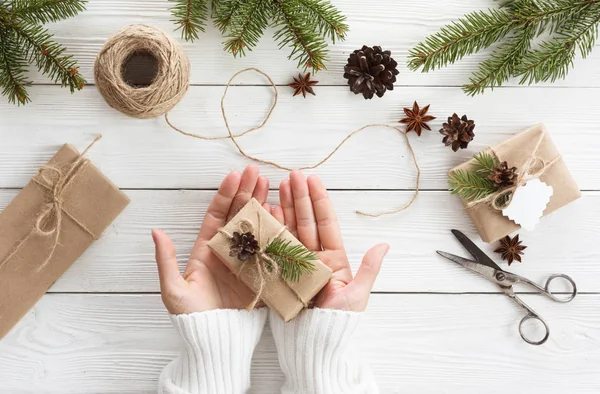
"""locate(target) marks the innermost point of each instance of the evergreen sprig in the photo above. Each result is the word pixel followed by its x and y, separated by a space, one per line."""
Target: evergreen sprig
pixel 24 41
pixel 572 26
pixel 303 25
pixel 293 260
pixel 474 185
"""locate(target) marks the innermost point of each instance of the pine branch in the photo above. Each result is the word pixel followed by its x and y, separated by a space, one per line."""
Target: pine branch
pixel 246 27
pixel 484 163
pixel 555 57
pixel 48 55
pixel 295 30
pixel 470 185
pixel 293 260
pixel 328 19
pixel 190 16
pixel 13 67
pixel 501 66
pixel 44 11
pixel 224 11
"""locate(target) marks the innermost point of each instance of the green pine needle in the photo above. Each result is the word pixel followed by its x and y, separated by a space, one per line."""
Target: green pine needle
pixel 190 17
pixel 23 40
pixel 571 24
pixel 484 163
pixel 470 185
pixel 293 260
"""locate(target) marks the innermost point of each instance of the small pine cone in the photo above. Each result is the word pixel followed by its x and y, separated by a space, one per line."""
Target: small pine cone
pixel 243 246
pixel 503 176
pixel 458 132
pixel 371 71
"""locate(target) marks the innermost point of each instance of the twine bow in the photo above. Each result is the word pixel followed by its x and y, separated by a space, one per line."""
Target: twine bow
pixel 502 198
pixel 49 221
pixel 264 272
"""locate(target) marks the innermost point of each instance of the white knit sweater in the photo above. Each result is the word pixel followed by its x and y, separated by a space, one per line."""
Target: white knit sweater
pixel 316 353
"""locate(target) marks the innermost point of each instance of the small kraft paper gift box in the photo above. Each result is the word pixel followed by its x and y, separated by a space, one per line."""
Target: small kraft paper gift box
pixel 535 156
pixel 48 225
pixel 255 231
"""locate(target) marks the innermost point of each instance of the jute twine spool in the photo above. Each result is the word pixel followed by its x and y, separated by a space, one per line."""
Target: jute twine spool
pixel 166 89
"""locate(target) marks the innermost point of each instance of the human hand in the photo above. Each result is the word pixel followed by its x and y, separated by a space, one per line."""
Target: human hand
pixel 207 283
pixel 308 213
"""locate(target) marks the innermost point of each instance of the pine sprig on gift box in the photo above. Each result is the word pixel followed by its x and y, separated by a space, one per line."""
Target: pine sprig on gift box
pixel 303 25
pixel 293 260
pixel 24 41
pixel 474 184
pixel 484 164
pixel 572 26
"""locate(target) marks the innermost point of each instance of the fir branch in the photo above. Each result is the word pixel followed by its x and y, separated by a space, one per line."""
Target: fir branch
pixel 296 30
pixel 44 11
pixel 470 185
pixel 190 16
pixel 484 163
pixel 224 11
pixel 293 260
pixel 246 27
pixel 502 64
pixel 49 56
pixel 13 67
pixel 328 19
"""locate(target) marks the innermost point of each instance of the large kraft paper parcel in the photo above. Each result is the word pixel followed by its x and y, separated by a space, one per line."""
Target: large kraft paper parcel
pixel 277 293
pixel 90 198
pixel 490 223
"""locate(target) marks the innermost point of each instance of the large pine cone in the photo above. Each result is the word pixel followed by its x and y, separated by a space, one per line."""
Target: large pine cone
pixel 458 132
pixel 371 71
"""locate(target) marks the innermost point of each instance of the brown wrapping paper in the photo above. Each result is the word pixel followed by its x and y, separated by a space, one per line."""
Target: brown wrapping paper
pixel 90 198
pixel 277 293
pixel 490 223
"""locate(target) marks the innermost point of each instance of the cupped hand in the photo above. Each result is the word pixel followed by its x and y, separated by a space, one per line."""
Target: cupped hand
pixel 308 213
pixel 207 283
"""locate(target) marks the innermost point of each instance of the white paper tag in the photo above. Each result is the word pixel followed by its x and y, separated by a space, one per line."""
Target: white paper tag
pixel 528 203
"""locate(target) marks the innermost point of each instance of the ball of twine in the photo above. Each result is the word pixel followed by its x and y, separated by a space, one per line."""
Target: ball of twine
pixel 166 89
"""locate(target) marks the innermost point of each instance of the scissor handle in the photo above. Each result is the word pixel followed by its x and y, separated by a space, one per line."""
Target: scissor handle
pixel 560 299
pixel 533 316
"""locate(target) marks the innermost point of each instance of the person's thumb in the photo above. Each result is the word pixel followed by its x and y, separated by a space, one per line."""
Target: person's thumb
pixel 369 268
pixel 166 259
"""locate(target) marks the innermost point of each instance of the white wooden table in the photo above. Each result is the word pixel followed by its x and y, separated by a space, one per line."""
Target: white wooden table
pixel 431 327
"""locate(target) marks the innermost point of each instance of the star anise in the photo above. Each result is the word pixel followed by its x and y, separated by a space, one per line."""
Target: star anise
pixel 243 246
pixel 303 84
pixel 511 249
pixel 416 119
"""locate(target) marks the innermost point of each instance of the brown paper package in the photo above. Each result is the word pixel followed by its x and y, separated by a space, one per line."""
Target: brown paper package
pixel 491 224
pixel 90 198
pixel 277 294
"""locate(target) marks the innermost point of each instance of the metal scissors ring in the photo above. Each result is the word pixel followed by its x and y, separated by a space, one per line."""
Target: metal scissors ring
pixel 485 266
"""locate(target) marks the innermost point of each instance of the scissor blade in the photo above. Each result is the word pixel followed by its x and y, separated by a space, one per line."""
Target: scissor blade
pixel 477 253
pixel 483 270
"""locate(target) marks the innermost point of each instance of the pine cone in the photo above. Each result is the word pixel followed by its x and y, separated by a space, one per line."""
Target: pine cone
pixel 503 176
pixel 371 71
pixel 243 246
pixel 458 132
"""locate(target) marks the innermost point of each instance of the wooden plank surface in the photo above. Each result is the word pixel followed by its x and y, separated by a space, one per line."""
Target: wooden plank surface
pixel 415 343
pixel 395 25
pixel 148 154
pixel 565 242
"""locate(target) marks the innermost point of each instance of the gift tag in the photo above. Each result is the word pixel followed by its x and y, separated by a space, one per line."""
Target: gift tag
pixel 528 203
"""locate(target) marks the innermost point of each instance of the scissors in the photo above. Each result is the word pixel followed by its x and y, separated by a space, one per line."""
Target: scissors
pixel 485 266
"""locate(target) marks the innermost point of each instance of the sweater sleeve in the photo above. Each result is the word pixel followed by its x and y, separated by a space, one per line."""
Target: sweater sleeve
pixel 317 353
pixel 217 353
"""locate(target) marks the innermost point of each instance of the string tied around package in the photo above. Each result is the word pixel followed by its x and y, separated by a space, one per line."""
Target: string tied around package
pixel 54 181
pixel 258 260
pixel 534 167
pixel 233 137
pixel 168 85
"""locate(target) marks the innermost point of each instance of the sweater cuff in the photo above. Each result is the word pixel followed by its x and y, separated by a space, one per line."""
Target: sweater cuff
pixel 317 353
pixel 217 354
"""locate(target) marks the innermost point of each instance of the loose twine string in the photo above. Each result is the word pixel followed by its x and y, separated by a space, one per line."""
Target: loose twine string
pixel 233 137
pixel 49 222
pixel 264 274
pixel 167 87
pixel 524 175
